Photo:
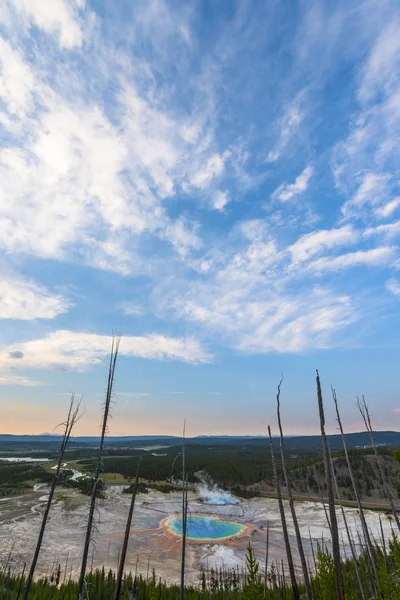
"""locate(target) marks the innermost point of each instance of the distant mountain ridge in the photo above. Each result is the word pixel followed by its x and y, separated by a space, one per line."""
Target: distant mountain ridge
pixel 51 437
pixel 358 439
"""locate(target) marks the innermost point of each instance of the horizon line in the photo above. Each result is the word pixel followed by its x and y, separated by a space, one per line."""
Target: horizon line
pixel 57 435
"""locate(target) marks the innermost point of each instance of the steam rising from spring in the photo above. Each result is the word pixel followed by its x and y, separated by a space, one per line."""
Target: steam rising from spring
pixel 210 493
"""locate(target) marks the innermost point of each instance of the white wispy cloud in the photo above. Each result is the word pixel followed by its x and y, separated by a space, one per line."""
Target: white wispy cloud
pixel 252 299
pixel 374 257
pixel 76 171
pixel 79 350
pixel 367 160
pixel 288 125
pixel 277 320
pixel 16 80
pixel 393 286
pixel 389 230
pixel 302 322
pixel 22 299
pixel 220 200
pixel 214 167
pixel 182 237
pixel 388 209
pixel 380 71
pixel 311 244
pixel 58 17
pixel 372 191
pixel 288 191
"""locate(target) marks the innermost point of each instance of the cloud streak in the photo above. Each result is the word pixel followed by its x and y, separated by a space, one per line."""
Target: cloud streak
pixel 25 300
pixel 78 350
pixel 288 191
pixel 59 18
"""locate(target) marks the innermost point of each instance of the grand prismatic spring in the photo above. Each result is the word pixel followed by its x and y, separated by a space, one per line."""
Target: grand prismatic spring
pixel 206 529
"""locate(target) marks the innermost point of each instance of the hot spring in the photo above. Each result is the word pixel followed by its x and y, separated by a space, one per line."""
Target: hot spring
pixel 205 528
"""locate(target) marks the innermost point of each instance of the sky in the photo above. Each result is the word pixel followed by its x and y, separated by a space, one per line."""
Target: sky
pixel 219 181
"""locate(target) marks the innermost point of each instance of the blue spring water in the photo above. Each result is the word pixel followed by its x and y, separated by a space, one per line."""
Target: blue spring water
pixel 205 528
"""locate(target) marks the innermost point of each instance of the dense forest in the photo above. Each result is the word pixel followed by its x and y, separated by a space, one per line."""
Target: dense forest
pixel 18 478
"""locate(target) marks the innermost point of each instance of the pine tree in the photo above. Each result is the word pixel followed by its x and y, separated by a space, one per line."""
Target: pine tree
pixel 326 574
pixel 252 588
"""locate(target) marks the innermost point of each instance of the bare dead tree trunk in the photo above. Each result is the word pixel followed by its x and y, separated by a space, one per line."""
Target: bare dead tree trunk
pixel 312 551
pixel 331 498
pixel 290 498
pixel 321 497
pixel 383 542
pixel 124 550
pixel 363 408
pixel 371 550
pixel 72 418
pixel 116 339
pixel 266 561
pixel 184 514
pixel 353 552
pixel 317 581
pixel 296 595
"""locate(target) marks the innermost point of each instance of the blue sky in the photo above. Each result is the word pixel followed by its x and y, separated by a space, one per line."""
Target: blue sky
pixel 219 181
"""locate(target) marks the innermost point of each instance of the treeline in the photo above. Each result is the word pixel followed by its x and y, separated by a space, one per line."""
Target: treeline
pixel 18 478
pixel 251 583
pixel 232 467
pixel 239 469
pixel 228 466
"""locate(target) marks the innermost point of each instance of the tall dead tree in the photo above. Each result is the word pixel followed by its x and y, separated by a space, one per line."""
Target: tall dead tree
pixel 72 418
pixel 331 498
pixel 184 513
pixel 124 550
pixel 266 561
pixel 383 541
pixel 370 547
pixel 290 498
pixel 363 408
pixel 352 549
pixel 321 497
pixel 295 589
pixel 97 483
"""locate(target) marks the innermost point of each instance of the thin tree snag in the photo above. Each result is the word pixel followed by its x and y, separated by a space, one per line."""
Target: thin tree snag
pixel 116 339
pixel 353 552
pixel 266 561
pixel 295 589
pixel 290 498
pixel 124 550
pixel 331 498
pixel 383 541
pixel 184 513
pixel 364 411
pixel 371 549
pixel 72 417
pixel 321 497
